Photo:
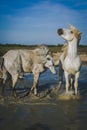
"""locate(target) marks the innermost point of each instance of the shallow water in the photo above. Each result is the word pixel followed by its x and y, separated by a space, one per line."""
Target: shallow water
pixel 49 115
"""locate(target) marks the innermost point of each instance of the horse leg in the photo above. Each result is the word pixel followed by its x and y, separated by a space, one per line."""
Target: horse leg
pixel 34 87
pixel 71 81
pixel 3 81
pixel 14 81
pixel 67 82
pixel 60 72
pixel 1 86
pixel 76 82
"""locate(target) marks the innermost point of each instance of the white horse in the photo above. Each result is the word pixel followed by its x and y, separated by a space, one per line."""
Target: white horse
pixel 70 59
pixel 34 61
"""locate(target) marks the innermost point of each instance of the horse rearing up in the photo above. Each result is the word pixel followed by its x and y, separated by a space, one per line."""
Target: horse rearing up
pixel 70 59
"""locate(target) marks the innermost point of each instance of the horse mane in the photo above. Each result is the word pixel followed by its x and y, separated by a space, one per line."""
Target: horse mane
pixel 41 52
pixel 76 32
pixel 64 50
pixel 77 35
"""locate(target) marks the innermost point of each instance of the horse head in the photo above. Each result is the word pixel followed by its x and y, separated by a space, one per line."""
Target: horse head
pixel 50 63
pixel 70 34
pixel 44 57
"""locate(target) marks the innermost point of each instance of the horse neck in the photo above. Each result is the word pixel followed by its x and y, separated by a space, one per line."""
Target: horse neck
pixel 72 48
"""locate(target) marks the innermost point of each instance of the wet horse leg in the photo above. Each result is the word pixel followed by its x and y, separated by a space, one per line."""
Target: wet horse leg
pixel 1 86
pixel 67 82
pixel 34 87
pixel 76 82
pixel 71 82
pixel 3 81
pixel 14 81
pixel 60 72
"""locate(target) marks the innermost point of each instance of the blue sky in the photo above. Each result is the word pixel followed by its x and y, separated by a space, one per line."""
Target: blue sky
pixel 37 21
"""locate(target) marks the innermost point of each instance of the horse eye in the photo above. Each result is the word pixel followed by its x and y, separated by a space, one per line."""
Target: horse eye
pixel 48 58
pixel 71 31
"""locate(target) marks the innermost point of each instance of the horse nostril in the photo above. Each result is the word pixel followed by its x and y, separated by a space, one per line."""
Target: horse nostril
pixel 60 31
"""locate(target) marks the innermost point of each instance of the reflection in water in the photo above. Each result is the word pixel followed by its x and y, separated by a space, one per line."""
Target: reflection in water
pixel 61 115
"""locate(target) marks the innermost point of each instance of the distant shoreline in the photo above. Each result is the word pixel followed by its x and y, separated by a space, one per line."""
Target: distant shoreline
pixel 54 48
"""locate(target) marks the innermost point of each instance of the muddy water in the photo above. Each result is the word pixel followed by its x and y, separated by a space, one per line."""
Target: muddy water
pixel 46 113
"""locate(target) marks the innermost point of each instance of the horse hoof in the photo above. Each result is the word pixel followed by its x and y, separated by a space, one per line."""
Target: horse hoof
pixel 33 96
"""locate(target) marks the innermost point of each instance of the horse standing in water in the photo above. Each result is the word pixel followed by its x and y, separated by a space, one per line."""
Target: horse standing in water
pixel 70 59
pixel 20 61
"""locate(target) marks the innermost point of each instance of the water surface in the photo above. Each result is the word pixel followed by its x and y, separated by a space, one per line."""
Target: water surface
pixel 52 115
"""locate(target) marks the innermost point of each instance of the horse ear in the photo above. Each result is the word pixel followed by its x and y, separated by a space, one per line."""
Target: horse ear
pixel 80 33
pixel 74 28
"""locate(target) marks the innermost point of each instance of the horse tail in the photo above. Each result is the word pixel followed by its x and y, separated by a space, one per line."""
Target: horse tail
pixel 3 71
pixel 1 66
pixel 1 62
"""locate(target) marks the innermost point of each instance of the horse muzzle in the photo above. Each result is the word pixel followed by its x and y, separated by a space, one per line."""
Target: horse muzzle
pixel 60 31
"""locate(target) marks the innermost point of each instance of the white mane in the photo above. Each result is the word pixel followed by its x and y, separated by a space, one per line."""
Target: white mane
pixel 41 53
